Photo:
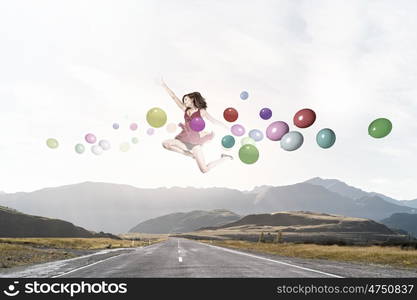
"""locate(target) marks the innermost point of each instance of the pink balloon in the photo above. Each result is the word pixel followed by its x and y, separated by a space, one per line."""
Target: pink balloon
pixel 133 126
pixel 238 130
pixel 90 138
pixel 197 124
pixel 277 130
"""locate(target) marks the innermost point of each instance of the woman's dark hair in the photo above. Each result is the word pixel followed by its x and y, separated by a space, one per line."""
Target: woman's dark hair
pixel 198 100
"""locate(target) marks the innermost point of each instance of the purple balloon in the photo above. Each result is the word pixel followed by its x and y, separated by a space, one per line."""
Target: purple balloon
pixel 277 130
pixel 197 124
pixel 238 130
pixel 150 131
pixel 90 138
pixel 265 113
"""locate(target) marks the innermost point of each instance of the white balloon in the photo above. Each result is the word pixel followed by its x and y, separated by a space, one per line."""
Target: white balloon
pixel 96 149
pixel 105 145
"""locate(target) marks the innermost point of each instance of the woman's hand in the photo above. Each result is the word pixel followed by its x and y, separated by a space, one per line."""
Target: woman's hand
pixel 160 81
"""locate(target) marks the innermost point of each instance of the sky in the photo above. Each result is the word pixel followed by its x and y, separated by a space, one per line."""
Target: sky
pixel 74 67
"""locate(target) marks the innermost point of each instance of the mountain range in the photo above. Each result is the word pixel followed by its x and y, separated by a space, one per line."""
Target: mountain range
pixel 117 208
pixel 186 222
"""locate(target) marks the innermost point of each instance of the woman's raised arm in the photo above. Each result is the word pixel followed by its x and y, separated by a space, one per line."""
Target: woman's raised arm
pixel 173 96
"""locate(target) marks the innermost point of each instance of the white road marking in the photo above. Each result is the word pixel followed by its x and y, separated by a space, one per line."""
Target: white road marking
pixel 180 259
pixel 272 260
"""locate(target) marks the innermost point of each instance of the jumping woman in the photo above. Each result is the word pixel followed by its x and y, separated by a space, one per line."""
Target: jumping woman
pixel 188 141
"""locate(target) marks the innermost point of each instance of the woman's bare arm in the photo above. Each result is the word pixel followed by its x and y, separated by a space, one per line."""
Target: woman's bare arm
pixel 173 96
pixel 206 115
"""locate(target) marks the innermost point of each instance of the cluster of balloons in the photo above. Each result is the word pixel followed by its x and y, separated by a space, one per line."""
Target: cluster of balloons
pixel 275 131
pixel 248 152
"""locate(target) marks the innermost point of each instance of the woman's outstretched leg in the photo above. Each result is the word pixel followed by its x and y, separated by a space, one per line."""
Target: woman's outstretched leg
pixel 199 157
pixel 177 146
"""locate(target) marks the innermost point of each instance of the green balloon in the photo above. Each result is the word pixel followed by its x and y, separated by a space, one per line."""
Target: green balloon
pixel 326 138
pixel 79 148
pixel 248 154
pixel 228 141
pixel 52 143
pixel 156 117
pixel 135 140
pixel 380 128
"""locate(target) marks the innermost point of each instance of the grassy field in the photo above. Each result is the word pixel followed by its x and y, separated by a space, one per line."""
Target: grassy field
pixel 23 251
pixel 392 256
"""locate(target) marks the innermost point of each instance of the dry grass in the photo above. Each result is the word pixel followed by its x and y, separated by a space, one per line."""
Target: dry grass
pixel 15 255
pixel 23 251
pixel 392 256
pixel 73 243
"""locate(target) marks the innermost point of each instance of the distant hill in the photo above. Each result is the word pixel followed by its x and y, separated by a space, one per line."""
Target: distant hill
pixel 410 203
pixel 343 189
pixel 117 208
pixel 186 222
pixel 311 221
pixel 407 222
pixel 303 227
pixel 17 224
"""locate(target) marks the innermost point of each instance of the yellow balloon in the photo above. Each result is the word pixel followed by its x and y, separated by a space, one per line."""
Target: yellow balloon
pixel 52 143
pixel 156 117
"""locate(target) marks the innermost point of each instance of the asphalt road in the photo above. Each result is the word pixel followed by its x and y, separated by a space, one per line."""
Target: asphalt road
pixel 187 258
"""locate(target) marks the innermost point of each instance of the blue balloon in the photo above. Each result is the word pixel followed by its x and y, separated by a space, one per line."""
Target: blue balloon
pixel 256 135
pixel 326 138
pixel 244 95
pixel 228 141
pixel 292 141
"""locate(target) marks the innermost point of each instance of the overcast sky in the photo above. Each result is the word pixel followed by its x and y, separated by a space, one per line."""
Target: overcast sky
pixel 72 67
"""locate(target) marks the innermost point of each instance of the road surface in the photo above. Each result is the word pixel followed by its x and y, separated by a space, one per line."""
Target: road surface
pixel 177 257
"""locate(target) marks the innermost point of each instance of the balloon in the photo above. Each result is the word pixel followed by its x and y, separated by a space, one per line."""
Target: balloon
pixel 304 118
pixel 326 138
pixel 197 124
pixel 228 141
pixel 135 140
pixel 380 128
pixel 247 140
pixel 171 127
pixel 292 141
pixel 124 147
pixel 104 144
pixel 265 113
pixel 79 148
pixel 156 117
pixel 230 114
pixel 248 154
pixel 133 126
pixel 276 130
pixel 150 131
pixel 115 126
pixel 238 130
pixel 96 149
pixel 244 95
pixel 256 135
pixel 90 138
pixel 52 143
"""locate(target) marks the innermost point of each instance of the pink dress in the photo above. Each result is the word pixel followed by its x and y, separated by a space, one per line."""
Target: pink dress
pixel 189 136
